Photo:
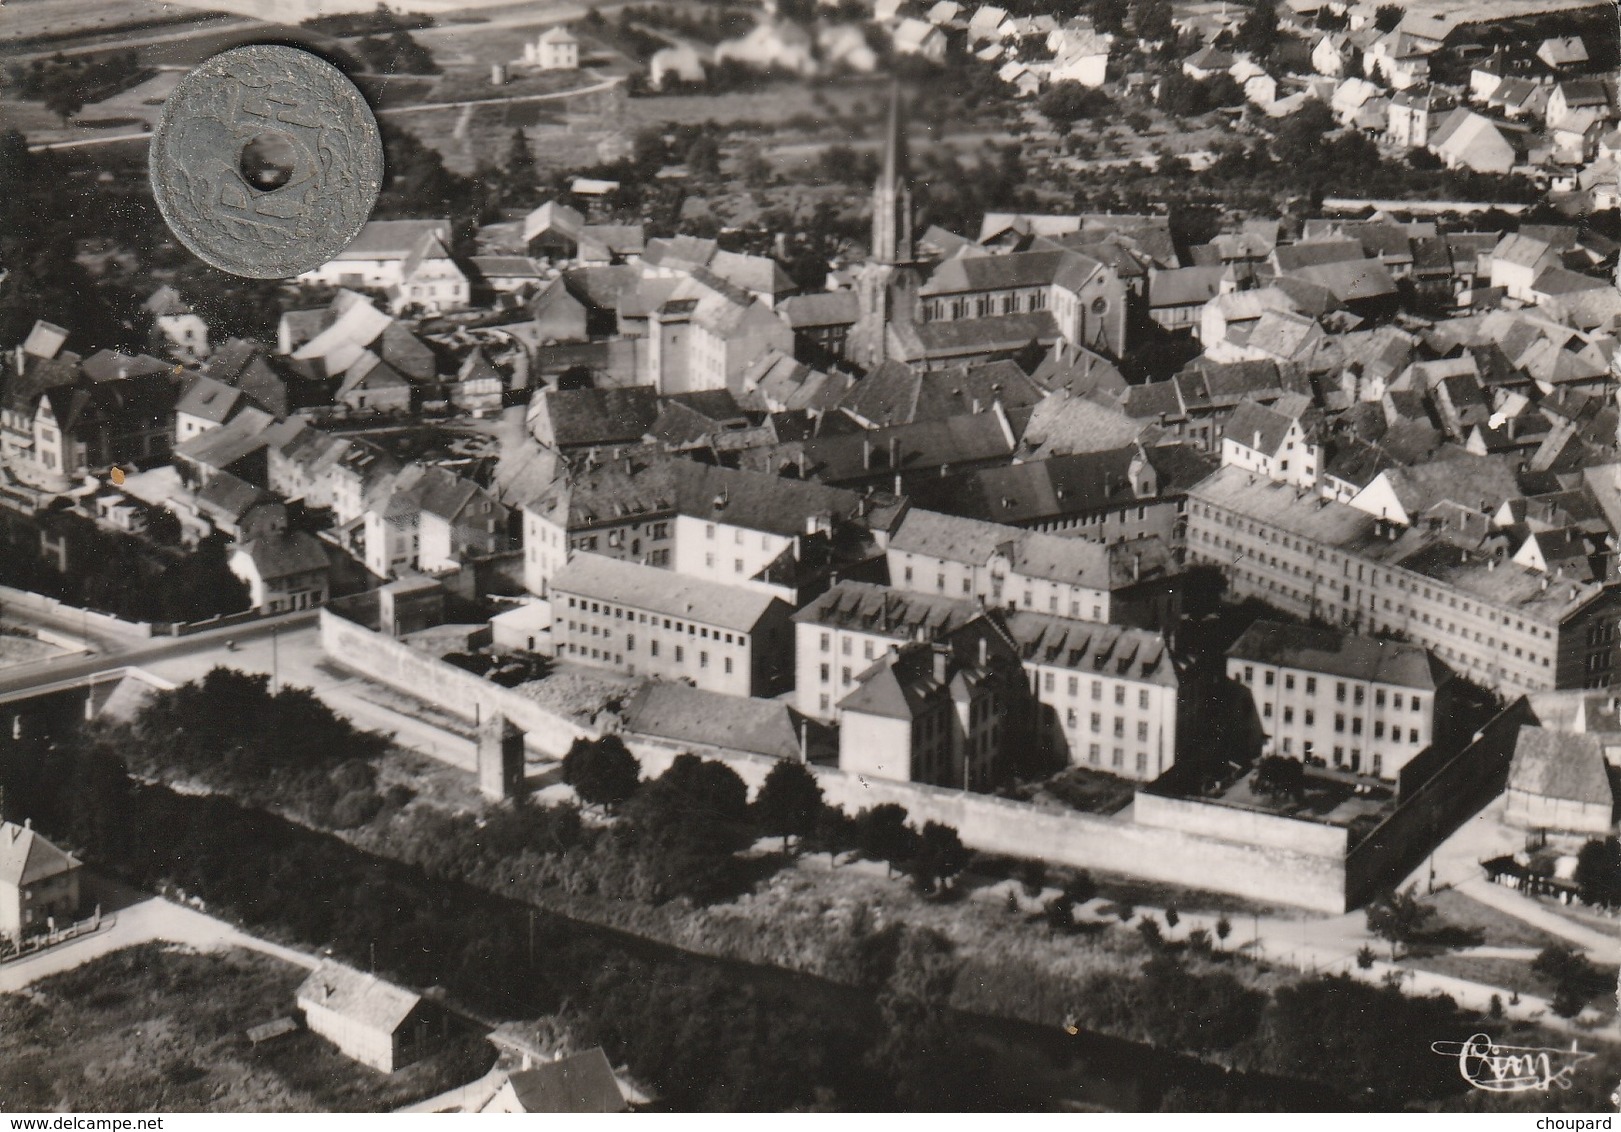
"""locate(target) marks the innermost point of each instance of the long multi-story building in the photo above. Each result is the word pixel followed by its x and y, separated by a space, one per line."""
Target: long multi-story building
pixel 845 630
pixel 1352 702
pixel 644 621
pixel 1109 696
pixel 1488 618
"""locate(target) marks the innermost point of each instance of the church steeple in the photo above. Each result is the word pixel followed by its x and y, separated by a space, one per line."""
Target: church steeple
pixel 892 195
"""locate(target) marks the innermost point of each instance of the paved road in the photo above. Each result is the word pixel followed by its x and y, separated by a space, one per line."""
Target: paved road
pixel 605 84
pixel 143 920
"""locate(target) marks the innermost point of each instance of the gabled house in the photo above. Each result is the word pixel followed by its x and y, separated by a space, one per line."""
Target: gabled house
pixel 39 883
pixel 283 570
pixel 1467 140
pixel 374 1022
pixel 1560 782
pixel 205 404
pixel 182 329
pixel 579 1082
pixel 90 425
pixel 1276 441
pixel 378 255
pixel 430 280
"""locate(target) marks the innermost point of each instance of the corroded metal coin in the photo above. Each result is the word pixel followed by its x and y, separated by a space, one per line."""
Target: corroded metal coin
pixel 267 161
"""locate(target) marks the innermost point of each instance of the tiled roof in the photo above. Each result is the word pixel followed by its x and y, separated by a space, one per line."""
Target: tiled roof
pixel 828 308
pixel 677 713
pixel 1083 646
pixel 364 999
pixel 207 399
pixel 1560 765
pixel 581 1082
pixel 597 578
pixel 1335 653
pixel 27 858
pixel 391 239
pixel 282 556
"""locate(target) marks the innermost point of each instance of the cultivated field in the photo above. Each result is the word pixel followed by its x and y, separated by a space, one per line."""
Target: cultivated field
pixel 162 1028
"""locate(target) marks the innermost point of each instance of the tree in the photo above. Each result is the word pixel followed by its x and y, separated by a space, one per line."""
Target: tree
pixel 1224 928
pixel 1060 913
pixel 1171 917
pixel 1125 912
pixel 603 772
pixel 1397 916
pixel 1081 887
pixel 1066 102
pixel 1299 137
pixel 697 806
pixel 883 835
pixel 703 158
pixel 1148 928
pixel 1364 957
pixel 1033 877
pixel 1258 34
pixel 789 802
pixel 1153 20
pixel 1279 775
pixel 753 167
pixel 940 854
pixel 833 833
pixel 1598 872
pixel 1388 17
pixel 520 167
pixel 64 98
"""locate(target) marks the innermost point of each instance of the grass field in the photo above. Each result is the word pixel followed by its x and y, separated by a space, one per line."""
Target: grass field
pixel 159 1028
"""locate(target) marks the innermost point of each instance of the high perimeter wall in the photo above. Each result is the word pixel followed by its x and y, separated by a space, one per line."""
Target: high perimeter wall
pixel 1177 841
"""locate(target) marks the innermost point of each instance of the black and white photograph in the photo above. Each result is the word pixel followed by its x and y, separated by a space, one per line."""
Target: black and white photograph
pixel 810 556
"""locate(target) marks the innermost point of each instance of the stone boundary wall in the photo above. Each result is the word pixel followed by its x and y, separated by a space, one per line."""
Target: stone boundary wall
pixel 456 690
pixel 50 607
pixel 1249 827
pixel 1278 874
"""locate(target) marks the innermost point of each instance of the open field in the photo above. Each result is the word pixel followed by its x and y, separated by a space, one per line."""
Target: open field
pixel 159 1027
pixel 30 19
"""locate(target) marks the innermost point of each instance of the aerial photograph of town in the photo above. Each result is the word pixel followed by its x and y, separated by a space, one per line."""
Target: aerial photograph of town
pixel 816 556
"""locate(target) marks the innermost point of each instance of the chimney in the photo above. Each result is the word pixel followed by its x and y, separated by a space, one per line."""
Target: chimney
pixel 1136 567
pixel 804 740
pixel 976 405
pixel 894 452
pixel 897 483
pixel 984 653
pixel 1257 444
pixel 866 453
pixel 942 658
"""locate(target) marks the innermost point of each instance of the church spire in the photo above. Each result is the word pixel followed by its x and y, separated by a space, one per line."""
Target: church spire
pixel 892 195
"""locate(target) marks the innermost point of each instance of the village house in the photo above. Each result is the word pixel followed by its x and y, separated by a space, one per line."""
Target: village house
pixel 377 257
pixel 1276 441
pixel 39 883
pixel 283 570
pixel 1560 783
pixel 1348 701
pixel 640 620
pixel 181 328
pixel 578 1082
pixel 554 49
pixel 205 404
pixel 371 1021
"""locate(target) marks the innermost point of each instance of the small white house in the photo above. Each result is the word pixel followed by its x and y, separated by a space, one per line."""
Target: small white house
pixel 374 1022
pixel 553 50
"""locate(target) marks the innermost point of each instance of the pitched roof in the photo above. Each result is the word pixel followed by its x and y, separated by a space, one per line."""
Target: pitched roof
pixel 1084 646
pixel 581 1082
pixel 363 999
pixel 957 337
pixel 828 308
pixel 681 714
pixel 392 239
pixel 207 399
pixel 1352 280
pixel 1334 653
pixel 1256 426
pixel 1560 765
pixel 1292 257
pixel 1185 286
pixel 281 556
pixel 884 612
pixel 26 857
pixel 950 538
pixel 581 417
pixel 665 592
pixel 1062 424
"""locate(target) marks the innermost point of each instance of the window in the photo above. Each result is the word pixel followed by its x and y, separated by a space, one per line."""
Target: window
pixel 1395 701
pixel 709 530
pixel 1266 710
pixel 1289 682
pixel 1142 763
pixel 1339 721
pixel 1356 725
pixel 827 674
pixel 1311 685
pixel 737 565
pixel 908 573
pixel 1379 697
pixel 1074 686
pixel 845 646
pixel 709 561
pixel 1094 754
pixel 1097 723
pixel 1360 696
pixel 1142 731
pixel 823 702
pixel 680 654
pixel 653 648
pixel 1412 735
pixel 1119 728
pixel 1142 698
pixel 1311 717
pixel 1071 718
pixel 1339 691
pixel 1097 689
pixel 1416 704
pixel 1288 715
pixel 1378 729
pixel 1118 757
pixel 1047 682
pixel 1249 674
pixel 630 642
pixel 1120 695
pixel 844 677
pixel 703 659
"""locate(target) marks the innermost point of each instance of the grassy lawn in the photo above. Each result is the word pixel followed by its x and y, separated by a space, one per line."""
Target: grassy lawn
pixel 160 1028
pixel 1489 926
